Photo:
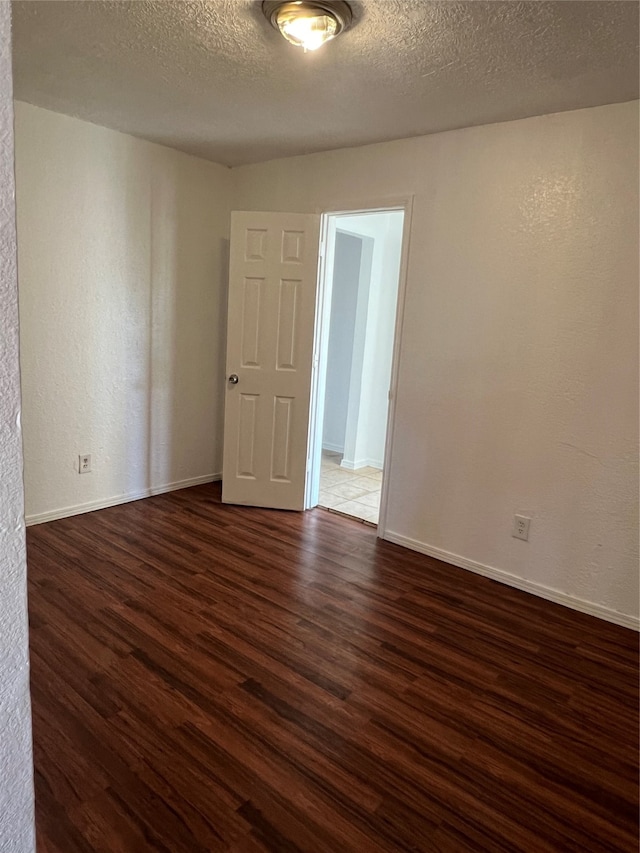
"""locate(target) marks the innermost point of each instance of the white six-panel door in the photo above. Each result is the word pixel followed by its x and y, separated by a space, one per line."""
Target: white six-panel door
pixel 272 299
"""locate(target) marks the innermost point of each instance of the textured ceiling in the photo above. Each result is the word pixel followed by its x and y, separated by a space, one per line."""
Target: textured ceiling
pixel 212 78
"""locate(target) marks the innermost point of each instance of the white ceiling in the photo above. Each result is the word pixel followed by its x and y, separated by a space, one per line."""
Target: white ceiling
pixel 212 78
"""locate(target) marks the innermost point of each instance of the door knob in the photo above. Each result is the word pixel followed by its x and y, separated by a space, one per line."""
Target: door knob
pixel 233 379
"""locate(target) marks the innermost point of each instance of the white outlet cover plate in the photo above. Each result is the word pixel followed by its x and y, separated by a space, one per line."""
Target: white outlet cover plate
pixel 84 463
pixel 521 527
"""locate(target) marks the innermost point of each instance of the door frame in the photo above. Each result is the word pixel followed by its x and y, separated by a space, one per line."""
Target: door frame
pixel 321 336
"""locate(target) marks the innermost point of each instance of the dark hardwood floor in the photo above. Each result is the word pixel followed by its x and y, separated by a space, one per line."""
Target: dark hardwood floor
pixel 214 678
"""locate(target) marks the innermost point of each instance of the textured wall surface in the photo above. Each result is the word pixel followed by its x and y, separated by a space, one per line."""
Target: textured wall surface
pixel 16 773
pixel 518 384
pixel 213 78
pixel 122 257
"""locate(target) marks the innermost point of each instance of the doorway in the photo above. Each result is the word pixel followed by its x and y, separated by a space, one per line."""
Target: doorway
pixel 355 332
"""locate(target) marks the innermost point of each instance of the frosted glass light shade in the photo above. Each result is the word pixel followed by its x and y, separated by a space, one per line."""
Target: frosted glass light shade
pixel 308 23
pixel 307 30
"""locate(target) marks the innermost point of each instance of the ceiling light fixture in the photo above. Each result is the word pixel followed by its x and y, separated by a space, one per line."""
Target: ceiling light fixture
pixel 308 23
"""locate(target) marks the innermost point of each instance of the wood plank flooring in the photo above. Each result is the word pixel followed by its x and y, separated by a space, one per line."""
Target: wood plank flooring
pixel 210 678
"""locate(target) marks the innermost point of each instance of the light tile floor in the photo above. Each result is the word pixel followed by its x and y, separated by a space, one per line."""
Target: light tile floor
pixel 352 492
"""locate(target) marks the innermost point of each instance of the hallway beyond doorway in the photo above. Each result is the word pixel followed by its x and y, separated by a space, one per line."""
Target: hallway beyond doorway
pixel 355 493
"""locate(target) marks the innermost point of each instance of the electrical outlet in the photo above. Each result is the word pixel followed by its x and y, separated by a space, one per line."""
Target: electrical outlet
pixel 84 463
pixel 521 527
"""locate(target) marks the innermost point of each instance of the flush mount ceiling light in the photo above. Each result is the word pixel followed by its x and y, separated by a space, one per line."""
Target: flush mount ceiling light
pixel 308 23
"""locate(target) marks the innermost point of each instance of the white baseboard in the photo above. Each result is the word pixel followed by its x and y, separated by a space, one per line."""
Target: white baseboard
pixel 91 506
pixel 334 448
pixel 501 576
pixel 361 463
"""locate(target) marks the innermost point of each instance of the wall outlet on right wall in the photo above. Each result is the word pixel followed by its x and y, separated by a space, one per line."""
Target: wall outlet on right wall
pixel 521 527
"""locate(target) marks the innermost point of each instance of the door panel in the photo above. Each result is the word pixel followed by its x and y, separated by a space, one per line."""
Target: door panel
pixel 250 333
pixel 272 299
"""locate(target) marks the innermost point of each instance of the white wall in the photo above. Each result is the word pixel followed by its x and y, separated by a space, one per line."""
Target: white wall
pixel 344 304
pixel 16 772
pixel 122 267
pixel 518 381
pixel 366 432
